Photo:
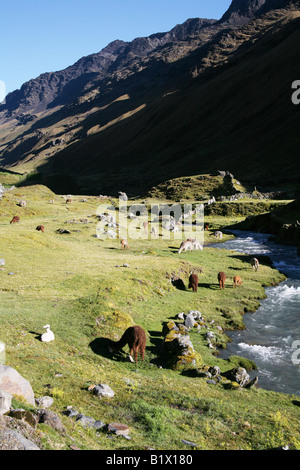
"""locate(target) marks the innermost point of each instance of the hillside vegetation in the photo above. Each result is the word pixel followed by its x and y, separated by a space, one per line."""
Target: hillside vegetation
pixel 79 285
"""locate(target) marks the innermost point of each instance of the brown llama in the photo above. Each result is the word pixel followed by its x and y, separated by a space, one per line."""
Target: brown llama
pixel 136 339
pixel 15 220
pixel 193 282
pixel 124 244
pixel 237 281
pixel 222 279
pixel 40 228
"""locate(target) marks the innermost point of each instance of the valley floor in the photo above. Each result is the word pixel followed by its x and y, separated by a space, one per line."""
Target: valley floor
pixel 79 285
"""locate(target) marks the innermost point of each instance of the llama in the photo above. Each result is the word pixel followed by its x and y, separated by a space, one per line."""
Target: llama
pixel 222 279
pixel 136 339
pixel 193 282
pixel 15 220
pixel 40 228
pixel 237 281
pixel 124 244
pixel 48 336
pixel 255 264
pixel 196 244
pixel 218 234
pixel 187 245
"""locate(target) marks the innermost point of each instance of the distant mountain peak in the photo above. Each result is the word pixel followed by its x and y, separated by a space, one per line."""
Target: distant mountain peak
pixel 241 11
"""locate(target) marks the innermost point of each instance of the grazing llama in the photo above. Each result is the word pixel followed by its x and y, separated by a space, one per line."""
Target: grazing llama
pixel 237 281
pixel 136 339
pixel 255 264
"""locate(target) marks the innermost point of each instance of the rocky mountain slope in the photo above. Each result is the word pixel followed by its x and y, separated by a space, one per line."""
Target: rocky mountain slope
pixel 208 95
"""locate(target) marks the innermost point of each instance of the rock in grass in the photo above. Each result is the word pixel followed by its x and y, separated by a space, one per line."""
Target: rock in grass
pixel 13 440
pixel 44 402
pixel 24 416
pixel 12 382
pixel 189 443
pixel 103 390
pixel 119 429
pixel 51 419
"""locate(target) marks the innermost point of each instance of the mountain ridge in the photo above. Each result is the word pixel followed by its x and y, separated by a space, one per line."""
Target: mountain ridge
pixel 36 94
pixel 185 107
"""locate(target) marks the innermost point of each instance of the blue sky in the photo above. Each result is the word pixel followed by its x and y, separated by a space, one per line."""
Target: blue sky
pixel 40 36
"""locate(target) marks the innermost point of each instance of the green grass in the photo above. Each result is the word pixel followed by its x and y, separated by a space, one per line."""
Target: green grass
pixel 72 283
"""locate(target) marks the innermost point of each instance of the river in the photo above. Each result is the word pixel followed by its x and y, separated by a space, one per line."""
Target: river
pixel 272 332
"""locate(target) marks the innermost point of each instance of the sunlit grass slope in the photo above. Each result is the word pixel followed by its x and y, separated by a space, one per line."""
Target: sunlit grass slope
pixel 77 283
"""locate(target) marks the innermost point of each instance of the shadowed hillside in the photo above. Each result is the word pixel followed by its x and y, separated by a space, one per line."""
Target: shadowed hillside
pixel 212 96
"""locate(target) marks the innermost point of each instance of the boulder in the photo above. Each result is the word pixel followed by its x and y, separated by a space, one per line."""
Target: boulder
pixel 44 402
pixel 103 390
pixel 12 382
pixel 51 419
pixel 189 321
pixel 13 440
pixel 238 375
pixel 24 416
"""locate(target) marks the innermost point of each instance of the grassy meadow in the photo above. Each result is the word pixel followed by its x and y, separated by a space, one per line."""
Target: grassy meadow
pixel 77 283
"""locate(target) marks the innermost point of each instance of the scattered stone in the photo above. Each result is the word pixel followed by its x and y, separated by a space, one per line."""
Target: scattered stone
pixel 189 321
pixel 98 424
pixel 238 375
pixel 103 390
pixel 44 402
pixel 22 204
pixel 51 419
pixel 211 382
pixel 118 429
pixel 189 443
pixel 70 412
pixel 85 421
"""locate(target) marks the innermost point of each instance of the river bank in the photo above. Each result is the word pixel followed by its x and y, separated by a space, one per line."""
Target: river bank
pixel 271 333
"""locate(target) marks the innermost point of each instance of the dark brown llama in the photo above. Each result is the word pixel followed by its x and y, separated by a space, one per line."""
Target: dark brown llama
pixel 193 282
pixel 136 339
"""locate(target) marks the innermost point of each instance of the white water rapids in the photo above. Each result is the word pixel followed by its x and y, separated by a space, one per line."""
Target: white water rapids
pixel 272 335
